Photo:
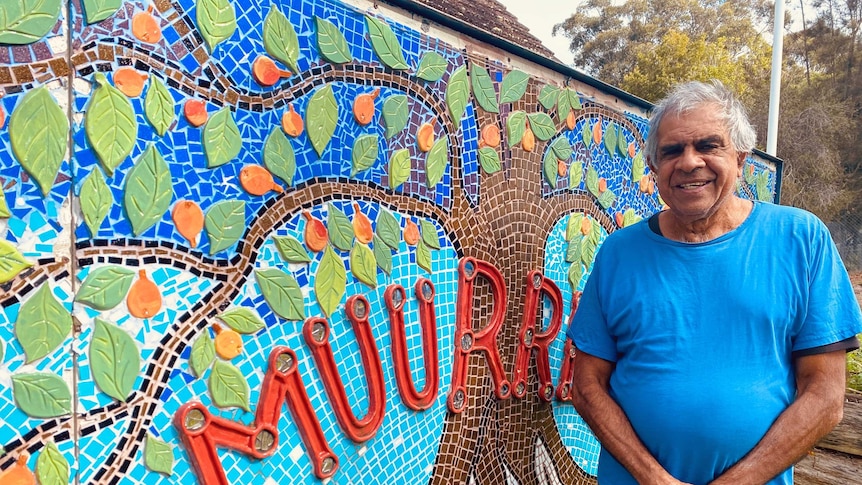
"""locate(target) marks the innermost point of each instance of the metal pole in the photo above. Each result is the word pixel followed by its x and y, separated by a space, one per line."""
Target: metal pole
pixel 775 79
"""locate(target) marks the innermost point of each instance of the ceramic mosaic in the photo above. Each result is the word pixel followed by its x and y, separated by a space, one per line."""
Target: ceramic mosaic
pixel 296 242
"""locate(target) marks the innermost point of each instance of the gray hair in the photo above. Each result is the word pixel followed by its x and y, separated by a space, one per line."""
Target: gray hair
pixel 691 95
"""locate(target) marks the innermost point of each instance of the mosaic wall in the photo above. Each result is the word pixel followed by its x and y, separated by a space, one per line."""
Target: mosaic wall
pixel 297 241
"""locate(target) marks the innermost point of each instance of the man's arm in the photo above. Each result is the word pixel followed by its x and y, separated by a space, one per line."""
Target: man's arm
pixel 819 405
pixel 609 422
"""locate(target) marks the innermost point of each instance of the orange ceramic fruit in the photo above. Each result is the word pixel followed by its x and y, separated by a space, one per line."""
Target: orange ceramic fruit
pixel 528 142
pixel 363 107
pixel 145 28
pixel 570 120
pixel 362 226
pixel 618 217
pixel 129 81
pixel 632 149
pixel 144 299
pixel 291 122
pixel 188 219
pixel 491 136
pixel 266 73
pixel 562 168
pixel 195 112
pixel 643 184
pixel 228 343
pixel 257 180
pixel 411 233
pixel 2 116
pixel 425 136
pixel 18 474
pixel 315 233
pixel 603 185
pixel 597 132
pixel 586 226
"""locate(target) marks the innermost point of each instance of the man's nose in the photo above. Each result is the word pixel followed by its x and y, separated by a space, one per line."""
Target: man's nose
pixel 690 160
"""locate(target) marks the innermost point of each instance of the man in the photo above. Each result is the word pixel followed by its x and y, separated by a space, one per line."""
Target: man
pixel 711 337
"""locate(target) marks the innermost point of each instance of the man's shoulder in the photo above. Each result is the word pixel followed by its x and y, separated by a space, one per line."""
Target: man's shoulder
pixel 784 214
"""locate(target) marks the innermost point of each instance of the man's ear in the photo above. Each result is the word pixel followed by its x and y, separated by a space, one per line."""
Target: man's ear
pixel 740 161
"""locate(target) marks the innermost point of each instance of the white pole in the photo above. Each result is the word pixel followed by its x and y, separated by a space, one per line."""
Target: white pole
pixel 775 80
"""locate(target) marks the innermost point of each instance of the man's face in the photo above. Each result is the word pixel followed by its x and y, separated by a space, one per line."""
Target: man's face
pixel 696 167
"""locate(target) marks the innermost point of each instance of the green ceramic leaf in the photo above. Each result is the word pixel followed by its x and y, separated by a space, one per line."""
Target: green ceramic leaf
pixel 385 43
pixel 221 138
pixel 514 86
pixel 542 125
pixel 243 320
pixel 630 217
pixel 383 255
pixel 431 67
pixel 96 200
pixel 363 264
pixel 399 168
pixel 115 360
pixel 436 162
pixel 148 191
pixel 159 106
pixel 26 21
pixel 225 223
pixel 216 21
pixel 622 144
pixel 483 89
pixel 365 150
pixel 548 96
pixel 4 208
pixel 51 467
pixel 489 160
pixel 763 191
pixel 388 229
pixel 549 168
pixel 574 99
pixel 429 234
pixel 158 455
pixel 330 281
pixel 588 251
pixel 321 117
pixel 576 174
pixel 41 395
pixel 395 114
pixel 561 148
pixel 43 324
pixel 279 38
pixel 587 134
pixel 331 42
pixel 423 256
pixel 638 167
pixel 98 10
pixel 515 127
pixel 607 198
pixel 2 350
pixel 202 354
pixel 576 271
pixel 291 250
pixel 282 293
pixel 38 131
pixel 610 138
pixel 110 124
pixel 573 250
pixel 573 228
pixel 278 156
pixel 105 287
pixel 340 228
pixel 592 181
pixel 11 262
pixel 457 94
pixel 228 387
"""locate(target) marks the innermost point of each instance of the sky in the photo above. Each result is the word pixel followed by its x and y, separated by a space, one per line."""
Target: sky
pixel 540 16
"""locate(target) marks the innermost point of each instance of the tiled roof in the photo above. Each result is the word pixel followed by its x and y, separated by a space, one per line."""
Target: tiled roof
pixel 492 17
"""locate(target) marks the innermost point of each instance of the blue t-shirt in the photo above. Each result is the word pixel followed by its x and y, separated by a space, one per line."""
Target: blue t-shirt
pixel 703 334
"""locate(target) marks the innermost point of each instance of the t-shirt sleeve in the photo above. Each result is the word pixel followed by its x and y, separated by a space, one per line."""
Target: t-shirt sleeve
pixel 589 330
pixel 833 312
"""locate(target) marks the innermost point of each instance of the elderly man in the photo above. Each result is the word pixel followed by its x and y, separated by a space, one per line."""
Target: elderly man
pixel 711 336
